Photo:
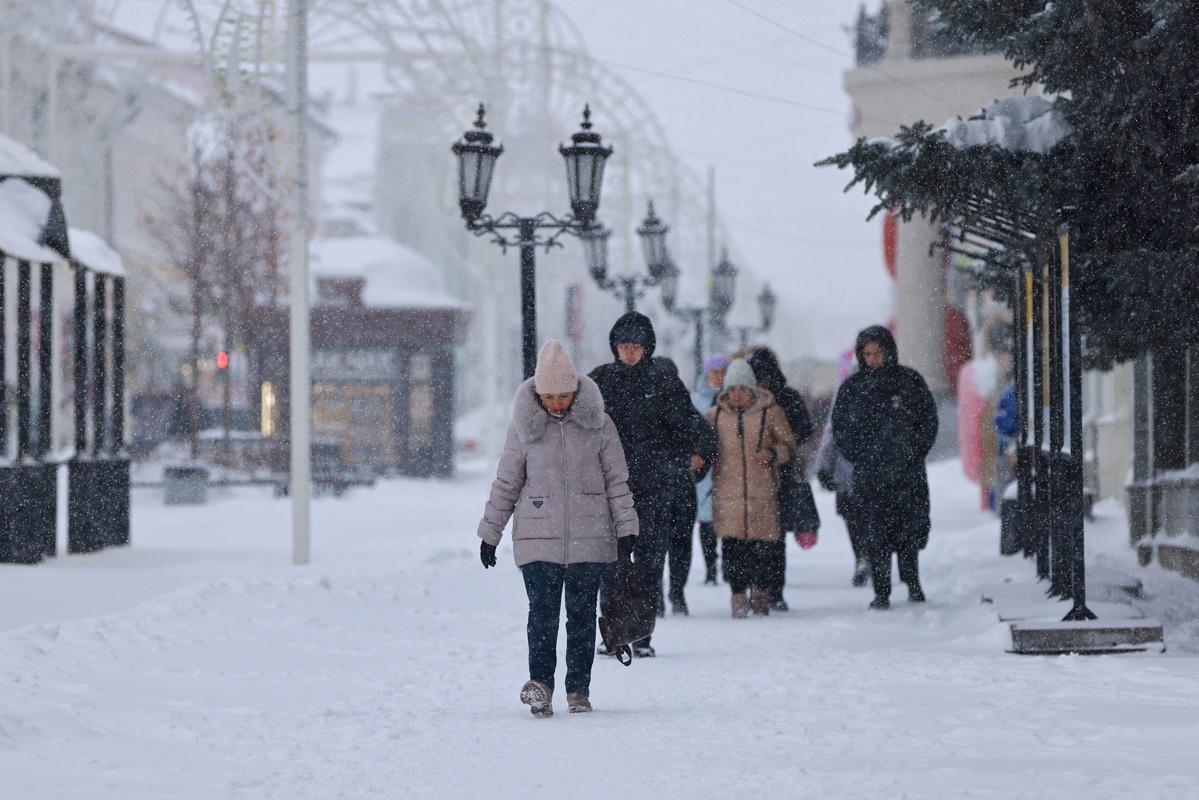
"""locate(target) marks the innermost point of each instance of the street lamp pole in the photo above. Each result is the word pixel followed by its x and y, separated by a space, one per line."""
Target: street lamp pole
pixel 585 158
pixel 629 287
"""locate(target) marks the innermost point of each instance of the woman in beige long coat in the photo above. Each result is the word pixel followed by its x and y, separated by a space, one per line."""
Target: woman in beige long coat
pixel 563 482
pixel 753 440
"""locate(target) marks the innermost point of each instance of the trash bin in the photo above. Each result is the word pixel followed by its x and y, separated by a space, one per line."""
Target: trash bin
pixel 185 484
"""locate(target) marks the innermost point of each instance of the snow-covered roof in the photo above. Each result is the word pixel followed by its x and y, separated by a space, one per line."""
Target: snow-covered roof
pixel 94 253
pixel 24 210
pixel 17 159
pixel 395 276
pixel 1027 124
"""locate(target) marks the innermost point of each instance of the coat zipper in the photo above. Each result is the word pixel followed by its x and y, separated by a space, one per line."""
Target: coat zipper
pixel 565 490
pixel 744 475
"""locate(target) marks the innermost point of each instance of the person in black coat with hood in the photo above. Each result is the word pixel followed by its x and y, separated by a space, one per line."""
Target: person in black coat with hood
pixel 885 423
pixel 769 374
pixel 663 436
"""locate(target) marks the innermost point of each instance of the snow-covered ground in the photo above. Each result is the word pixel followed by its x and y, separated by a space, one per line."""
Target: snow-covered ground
pixel 198 663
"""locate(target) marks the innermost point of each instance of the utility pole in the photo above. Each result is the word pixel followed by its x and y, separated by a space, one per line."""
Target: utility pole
pixel 301 388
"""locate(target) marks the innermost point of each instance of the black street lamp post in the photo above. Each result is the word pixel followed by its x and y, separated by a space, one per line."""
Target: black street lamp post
pixel 629 287
pixel 585 158
pixel 722 290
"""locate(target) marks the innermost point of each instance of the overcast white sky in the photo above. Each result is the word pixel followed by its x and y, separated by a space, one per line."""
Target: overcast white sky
pixel 754 88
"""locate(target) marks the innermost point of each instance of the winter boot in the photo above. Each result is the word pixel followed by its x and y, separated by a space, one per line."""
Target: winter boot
pixel 678 603
pixel 915 593
pixel 861 574
pixel 759 601
pixel 578 703
pixel 740 605
pixel 880 602
pixel 777 603
pixel 538 697
pixel 643 650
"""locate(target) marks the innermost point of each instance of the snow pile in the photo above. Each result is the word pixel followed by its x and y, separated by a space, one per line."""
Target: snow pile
pixel 396 276
pixel 1025 124
pixel 94 253
pixel 23 212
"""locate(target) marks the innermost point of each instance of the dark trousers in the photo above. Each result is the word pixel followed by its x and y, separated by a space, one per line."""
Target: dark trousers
pixel 886 527
pixel 880 568
pixel 544 584
pixel 679 543
pixel 707 543
pixel 746 564
pixel 851 513
pixel 775 568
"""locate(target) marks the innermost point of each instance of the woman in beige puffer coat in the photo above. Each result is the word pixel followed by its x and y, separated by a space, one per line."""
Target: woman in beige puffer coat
pixel 753 440
pixel 563 481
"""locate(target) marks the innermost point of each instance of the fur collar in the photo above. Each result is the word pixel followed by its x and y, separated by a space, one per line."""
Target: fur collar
pixel 531 419
pixel 763 399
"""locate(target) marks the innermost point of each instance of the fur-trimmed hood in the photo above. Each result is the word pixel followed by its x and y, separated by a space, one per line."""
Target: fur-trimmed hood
pixel 531 419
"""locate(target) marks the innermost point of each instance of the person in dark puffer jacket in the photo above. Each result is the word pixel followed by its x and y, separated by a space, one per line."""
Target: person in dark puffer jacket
pixel 885 424
pixel 663 435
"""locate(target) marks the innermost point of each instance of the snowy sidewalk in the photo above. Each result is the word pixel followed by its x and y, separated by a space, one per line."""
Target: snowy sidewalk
pixel 199 664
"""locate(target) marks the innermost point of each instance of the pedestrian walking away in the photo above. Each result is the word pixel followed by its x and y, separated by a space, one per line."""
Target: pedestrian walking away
pixel 703 398
pixel 753 440
pixel 835 474
pixel 664 439
pixel 769 375
pixel 563 481
pixel 885 423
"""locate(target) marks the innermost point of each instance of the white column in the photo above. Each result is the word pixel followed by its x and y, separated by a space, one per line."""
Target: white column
pixel 920 303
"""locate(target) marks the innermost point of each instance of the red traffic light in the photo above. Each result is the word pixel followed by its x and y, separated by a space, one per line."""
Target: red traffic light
pixel 222 360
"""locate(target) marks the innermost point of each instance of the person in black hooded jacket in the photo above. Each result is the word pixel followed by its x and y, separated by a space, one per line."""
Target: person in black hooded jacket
pixel 885 423
pixel 769 374
pixel 663 436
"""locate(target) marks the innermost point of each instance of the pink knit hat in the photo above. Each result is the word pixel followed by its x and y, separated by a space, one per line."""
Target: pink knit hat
pixel 555 371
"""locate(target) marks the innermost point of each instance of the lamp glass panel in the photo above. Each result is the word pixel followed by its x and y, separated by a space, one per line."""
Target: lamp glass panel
pixel 595 254
pixel 485 169
pixel 583 166
pixel 670 289
pixel 468 166
pixel 597 177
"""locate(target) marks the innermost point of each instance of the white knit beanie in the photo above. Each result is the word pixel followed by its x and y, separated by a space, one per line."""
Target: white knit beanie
pixel 739 373
pixel 555 371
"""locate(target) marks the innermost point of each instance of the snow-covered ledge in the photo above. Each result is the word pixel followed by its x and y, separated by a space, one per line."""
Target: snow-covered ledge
pixel 92 252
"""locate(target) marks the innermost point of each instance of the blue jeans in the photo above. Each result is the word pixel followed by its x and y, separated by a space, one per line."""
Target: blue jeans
pixel 544 584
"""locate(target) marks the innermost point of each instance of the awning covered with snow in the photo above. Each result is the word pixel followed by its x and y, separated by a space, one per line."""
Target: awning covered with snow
pixel 33 226
pixel 395 276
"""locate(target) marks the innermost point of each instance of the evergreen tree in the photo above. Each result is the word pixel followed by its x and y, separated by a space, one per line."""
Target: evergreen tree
pixel 1126 75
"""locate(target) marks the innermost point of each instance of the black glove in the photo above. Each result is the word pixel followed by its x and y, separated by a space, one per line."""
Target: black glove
pixel 624 548
pixel 827 479
pixel 487 554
